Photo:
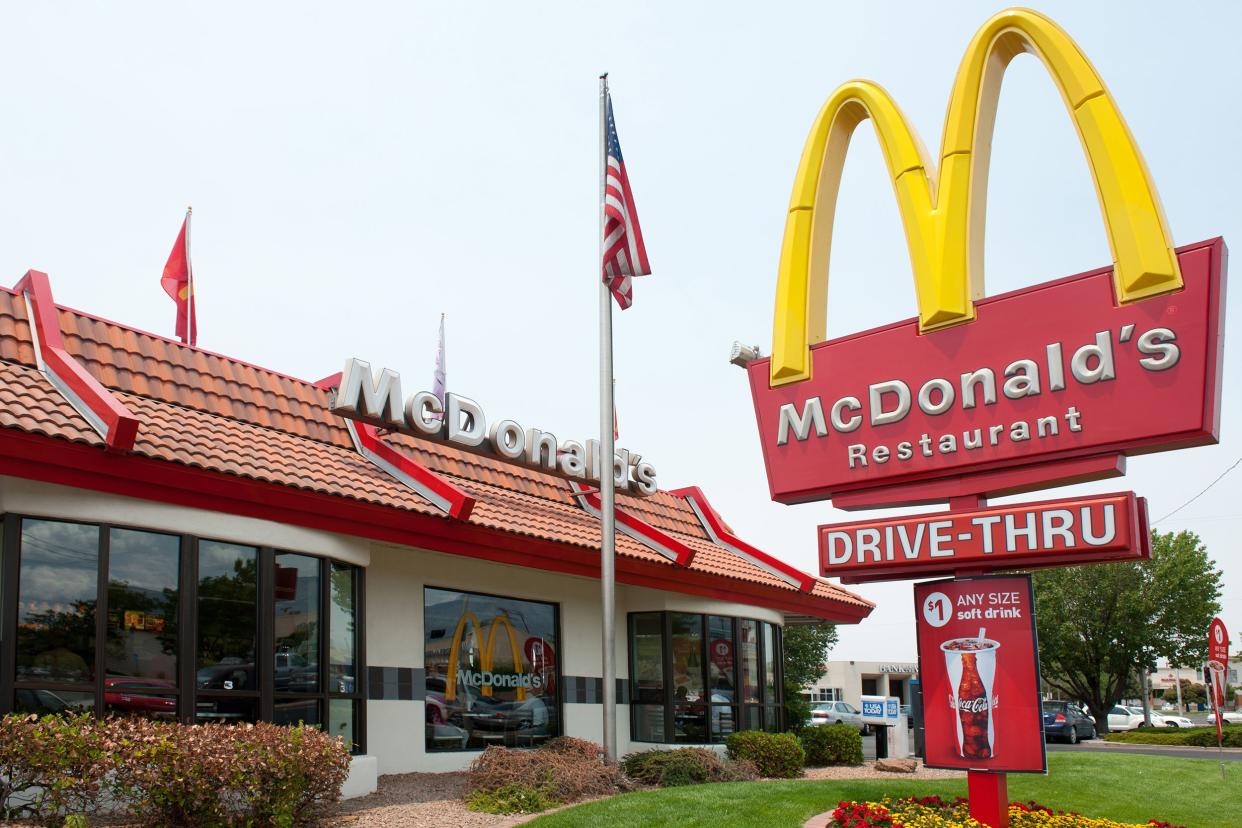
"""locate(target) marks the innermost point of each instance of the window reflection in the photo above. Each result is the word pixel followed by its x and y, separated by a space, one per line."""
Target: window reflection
pixel 227 615
pixel 57 594
pixel 749 646
pixel 297 624
pixel 707 659
pixel 343 646
pixel 140 652
pixel 491 671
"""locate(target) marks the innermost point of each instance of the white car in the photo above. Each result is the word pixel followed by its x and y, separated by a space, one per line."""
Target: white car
pixel 1232 716
pixel 1170 720
pixel 1124 718
pixel 838 713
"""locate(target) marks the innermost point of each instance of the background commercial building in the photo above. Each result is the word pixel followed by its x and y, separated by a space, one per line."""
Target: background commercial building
pixel 191 537
pixel 848 681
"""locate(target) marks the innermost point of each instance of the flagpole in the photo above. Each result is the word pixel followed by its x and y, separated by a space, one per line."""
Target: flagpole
pixel 607 495
pixel 189 270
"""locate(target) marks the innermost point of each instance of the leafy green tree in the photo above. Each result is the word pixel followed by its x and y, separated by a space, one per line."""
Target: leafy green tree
pixel 1100 624
pixel 806 650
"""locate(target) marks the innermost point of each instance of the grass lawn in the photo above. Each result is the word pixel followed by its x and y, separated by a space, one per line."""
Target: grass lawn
pixel 1128 788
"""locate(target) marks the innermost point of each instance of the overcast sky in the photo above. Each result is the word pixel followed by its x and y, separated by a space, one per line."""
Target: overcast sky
pixel 357 169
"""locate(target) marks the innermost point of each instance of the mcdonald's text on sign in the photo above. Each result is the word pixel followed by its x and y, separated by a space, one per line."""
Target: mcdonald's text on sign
pixel 1052 372
pixel 1092 529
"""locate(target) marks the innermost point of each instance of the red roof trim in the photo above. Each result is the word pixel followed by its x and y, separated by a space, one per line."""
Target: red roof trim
pixel 450 499
pixel 104 412
pixel 641 531
pixel 722 537
pixel 37 457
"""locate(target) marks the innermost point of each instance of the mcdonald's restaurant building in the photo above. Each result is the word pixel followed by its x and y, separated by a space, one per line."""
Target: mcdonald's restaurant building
pixel 190 537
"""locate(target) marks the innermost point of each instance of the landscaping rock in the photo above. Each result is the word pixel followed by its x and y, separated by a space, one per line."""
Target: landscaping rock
pixel 897 765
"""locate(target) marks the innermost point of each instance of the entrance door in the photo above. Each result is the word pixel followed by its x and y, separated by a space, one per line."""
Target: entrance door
pixel 897 687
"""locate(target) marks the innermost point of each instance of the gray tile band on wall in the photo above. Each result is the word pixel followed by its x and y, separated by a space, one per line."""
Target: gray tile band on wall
pixel 409 684
pixel 396 684
pixel 590 690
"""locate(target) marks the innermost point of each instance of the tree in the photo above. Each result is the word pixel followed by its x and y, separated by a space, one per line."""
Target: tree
pixel 806 650
pixel 1100 624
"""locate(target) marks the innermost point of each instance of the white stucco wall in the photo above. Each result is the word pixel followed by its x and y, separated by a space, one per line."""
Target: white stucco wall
pixel 395 581
pixel 27 497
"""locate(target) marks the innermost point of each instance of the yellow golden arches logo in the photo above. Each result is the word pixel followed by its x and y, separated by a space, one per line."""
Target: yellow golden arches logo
pixel 943 219
pixel 486 652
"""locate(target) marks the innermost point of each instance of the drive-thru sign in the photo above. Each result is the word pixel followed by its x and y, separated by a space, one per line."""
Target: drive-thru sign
pixel 981 397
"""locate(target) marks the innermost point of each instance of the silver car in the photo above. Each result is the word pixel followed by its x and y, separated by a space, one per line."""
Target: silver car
pixel 838 713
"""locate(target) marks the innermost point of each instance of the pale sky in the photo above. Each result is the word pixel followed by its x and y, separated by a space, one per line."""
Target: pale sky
pixel 357 169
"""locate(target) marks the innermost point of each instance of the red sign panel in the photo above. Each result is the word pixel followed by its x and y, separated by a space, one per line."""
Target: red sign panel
pixel 1218 665
pixel 1052 372
pixel 1091 529
pixel 979 667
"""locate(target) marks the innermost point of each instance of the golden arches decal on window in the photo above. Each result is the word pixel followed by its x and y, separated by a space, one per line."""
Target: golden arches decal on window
pixel 943 210
pixel 486 653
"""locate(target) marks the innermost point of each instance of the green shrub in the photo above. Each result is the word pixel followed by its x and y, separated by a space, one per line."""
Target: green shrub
pixel 1189 736
pixel 775 755
pixel 835 744
pixel 684 766
pixel 54 770
pixel 513 798
pixel 51 766
pixel 224 775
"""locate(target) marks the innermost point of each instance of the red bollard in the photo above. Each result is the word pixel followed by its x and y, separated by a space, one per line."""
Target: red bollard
pixel 989 798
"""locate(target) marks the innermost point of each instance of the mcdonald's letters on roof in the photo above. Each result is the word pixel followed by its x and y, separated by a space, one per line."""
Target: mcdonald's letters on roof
pixel 1046 385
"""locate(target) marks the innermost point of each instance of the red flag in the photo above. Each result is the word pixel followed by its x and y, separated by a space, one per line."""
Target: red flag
pixel 178 283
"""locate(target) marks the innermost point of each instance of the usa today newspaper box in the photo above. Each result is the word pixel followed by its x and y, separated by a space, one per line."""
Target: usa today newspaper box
pixel 892 736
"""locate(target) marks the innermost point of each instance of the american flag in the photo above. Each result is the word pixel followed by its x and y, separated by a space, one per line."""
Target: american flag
pixel 624 253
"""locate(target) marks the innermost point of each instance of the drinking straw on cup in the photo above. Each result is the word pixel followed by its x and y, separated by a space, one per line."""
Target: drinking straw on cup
pixel 983 632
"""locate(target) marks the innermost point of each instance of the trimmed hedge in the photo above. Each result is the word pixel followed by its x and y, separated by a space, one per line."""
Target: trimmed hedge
pixel 1182 736
pixel 835 744
pixel 776 755
pixel 57 769
pixel 685 766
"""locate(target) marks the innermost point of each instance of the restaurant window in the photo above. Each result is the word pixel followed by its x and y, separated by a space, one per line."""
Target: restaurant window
pixel 492 671
pixel 131 622
pixel 723 675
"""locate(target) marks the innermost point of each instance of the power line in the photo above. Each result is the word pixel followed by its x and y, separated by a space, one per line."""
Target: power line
pixel 1205 488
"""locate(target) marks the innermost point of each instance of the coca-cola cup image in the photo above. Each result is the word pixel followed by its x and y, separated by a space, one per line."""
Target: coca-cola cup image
pixel 971 665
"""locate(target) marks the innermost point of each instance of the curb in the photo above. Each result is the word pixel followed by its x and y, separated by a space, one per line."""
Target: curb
pixel 1102 745
pixel 819 820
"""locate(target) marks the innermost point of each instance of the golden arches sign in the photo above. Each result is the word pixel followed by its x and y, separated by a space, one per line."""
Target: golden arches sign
pixel 486 651
pixel 943 211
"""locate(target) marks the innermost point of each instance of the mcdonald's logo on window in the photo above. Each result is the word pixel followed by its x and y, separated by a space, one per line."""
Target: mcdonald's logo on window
pixel 1072 373
pixel 484 677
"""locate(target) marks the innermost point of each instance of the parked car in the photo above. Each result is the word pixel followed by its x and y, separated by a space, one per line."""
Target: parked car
pixel 1170 720
pixel 136 695
pixel 838 713
pixel 1124 718
pixel 1065 720
pixel 1232 716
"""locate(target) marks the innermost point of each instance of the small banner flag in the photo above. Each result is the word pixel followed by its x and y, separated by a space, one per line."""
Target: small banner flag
pixel 439 378
pixel 178 283
pixel 625 256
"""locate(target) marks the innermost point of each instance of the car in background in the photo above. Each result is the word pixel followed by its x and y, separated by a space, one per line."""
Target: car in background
pixel 1170 720
pixel 838 712
pixel 1232 716
pixel 1124 718
pixel 1065 721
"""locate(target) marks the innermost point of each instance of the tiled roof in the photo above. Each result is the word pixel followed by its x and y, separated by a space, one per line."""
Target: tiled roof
pixel 224 416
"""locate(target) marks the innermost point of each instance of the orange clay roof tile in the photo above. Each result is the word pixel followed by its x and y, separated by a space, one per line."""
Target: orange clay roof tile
pixel 208 411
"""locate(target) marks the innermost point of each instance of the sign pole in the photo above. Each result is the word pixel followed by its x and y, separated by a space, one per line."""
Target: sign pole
pixel 607 495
